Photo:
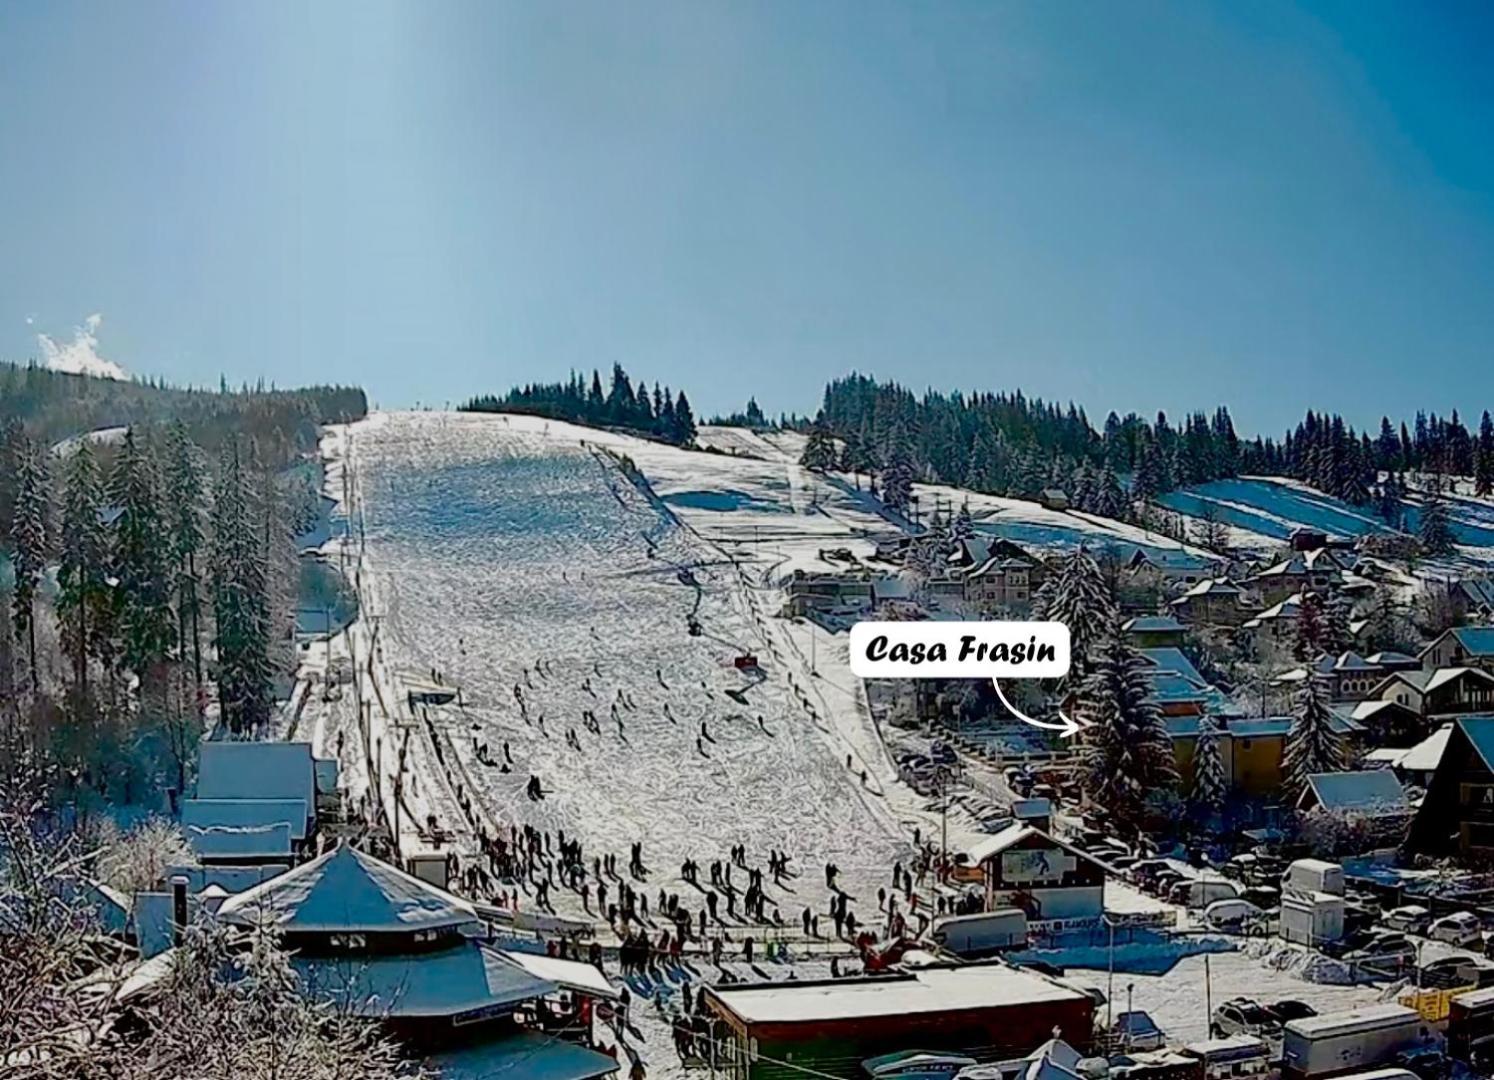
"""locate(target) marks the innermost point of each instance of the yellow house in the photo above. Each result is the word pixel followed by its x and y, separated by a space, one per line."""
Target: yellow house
pixel 1250 747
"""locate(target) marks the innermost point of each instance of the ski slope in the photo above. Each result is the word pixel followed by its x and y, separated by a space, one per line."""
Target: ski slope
pixel 513 558
pixel 1270 508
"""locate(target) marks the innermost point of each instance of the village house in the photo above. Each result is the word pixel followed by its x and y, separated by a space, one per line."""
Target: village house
pixel 999 584
pixel 1449 691
pixel 1384 723
pixel 1154 632
pixel 1053 498
pixel 1369 794
pixel 1462 646
pixel 1471 599
pixel 1317 570
pixel 829 1027
pixel 1277 623
pixel 1346 677
pixel 1457 812
pixel 807 593
pixel 1213 602
pixel 1177 686
pixel 1173 566
pixel 1025 867
pixel 1252 749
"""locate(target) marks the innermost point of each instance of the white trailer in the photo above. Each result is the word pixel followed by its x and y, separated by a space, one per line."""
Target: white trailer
pixel 983 933
pixel 1311 918
pixel 1315 875
pixel 1342 1043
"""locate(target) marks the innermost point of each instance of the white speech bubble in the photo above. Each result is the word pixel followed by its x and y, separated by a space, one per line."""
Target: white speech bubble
pixel 960 650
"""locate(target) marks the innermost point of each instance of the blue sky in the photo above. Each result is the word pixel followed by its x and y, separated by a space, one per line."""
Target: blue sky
pixel 1131 205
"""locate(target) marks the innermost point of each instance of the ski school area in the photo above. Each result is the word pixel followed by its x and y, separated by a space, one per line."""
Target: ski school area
pixel 600 691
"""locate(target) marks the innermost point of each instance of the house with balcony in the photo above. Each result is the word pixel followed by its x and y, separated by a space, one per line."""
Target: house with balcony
pixel 1457 814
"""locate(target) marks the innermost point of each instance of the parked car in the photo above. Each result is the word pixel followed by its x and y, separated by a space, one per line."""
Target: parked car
pixel 1409 919
pixel 1459 928
pixel 1201 892
pixel 1387 956
pixel 1231 915
pixel 1138 1031
pixel 1289 1009
pixel 1262 896
pixel 1450 971
pixel 1244 1016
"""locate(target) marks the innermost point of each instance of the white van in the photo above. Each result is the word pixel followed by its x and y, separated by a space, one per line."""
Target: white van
pixel 1231 915
pixel 1315 875
pixel 1201 893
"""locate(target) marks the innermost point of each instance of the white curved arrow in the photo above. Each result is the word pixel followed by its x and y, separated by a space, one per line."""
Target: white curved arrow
pixel 1067 727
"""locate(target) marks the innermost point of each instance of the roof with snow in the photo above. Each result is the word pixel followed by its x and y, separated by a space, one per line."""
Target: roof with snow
pixel 463 979
pixel 991 846
pixel 1290 608
pixel 523 1055
pixel 240 841
pixel 1172 660
pixel 1153 624
pixel 1304 562
pixel 1387 657
pixel 1478 591
pixel 1211 587
pixel 567 974
pixel 1427 681
pixel 257 770
pixel 928 990
pixel 347 890
pixel 1170 559
pixel 1366 791
pixel 245 813
pixel 1426 755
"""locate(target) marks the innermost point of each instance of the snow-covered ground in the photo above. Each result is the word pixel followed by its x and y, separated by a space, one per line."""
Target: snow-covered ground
pixel 513 559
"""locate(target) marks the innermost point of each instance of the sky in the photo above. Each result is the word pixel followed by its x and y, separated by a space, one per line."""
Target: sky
pixel 1131 205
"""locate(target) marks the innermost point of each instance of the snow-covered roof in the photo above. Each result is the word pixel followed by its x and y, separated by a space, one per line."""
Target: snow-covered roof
pixel 1364 791
pixel 1386 757
pixel 991 846
pixel 1172 660
pixel 1153 624
pixel 928 990
pixel 465 978
pixel 1290 608
pixel 567 974
pixel 245 813
pixel 1427 754
pixel 240 841
pixel 1211 587
pixel 524 1055
pixel 257 770
pixel 1352 661
pixel 1387 657
pixel 1427 681
pixel 347 890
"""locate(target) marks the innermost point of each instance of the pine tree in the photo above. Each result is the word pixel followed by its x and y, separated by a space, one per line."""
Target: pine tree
pixel 1312 744
pixel 1126 754
pixel 1434 529
pixel 1077 595
pixel 84 567
pixel 1310 636
pixel 684 421
pixel 240 602
pixel 1210 787
pixel 142 562
pixel 819 451
pixel 1338 616
pixel 31 542
pixel 1483 467
pixel 1110 500
pixel 186 492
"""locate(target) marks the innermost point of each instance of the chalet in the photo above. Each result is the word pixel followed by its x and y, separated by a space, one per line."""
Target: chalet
pixel 258 803
pixel 1001 583
pixel 370 940
pixel 1154 631
pixel 1347 677
pixel 828 1027
pixel 1277 623
pixel 1178 687
pixel 1251 748
pixel 1054 498
pixel 1385 723
pixel 983 547
pixel 1317 570
pixel 806 593
pixel 1213 602
pixel 1173 565
pixel 1457 813
pixel 1462 646
pixel 1472 598
pixel 1371 793
pixel 1024 867
pixel 1448 691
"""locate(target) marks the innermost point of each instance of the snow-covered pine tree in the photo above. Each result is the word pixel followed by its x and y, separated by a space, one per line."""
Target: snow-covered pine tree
pixel 187 493
pixel 1210 788
pixel 1309 641
pixel 1483 460
pixel 962 528
pixel 31 544
pixel 1338 618
pixel 1312 744
pixel 240 604
pixel 83 570
pixel 1125 754
pixel 1388 504
pixel 1082 490
pixel 1110 500
pixel 819 451
pixel 1077 595
pixel 142 562
pixel 1434 529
